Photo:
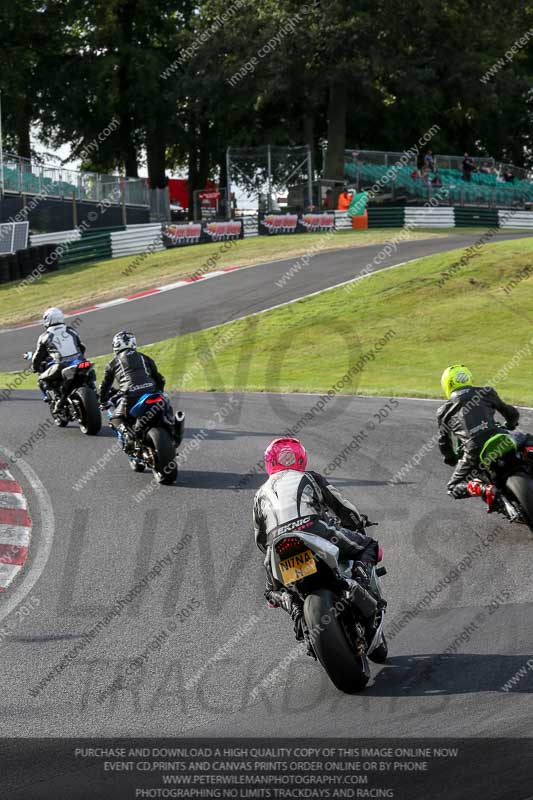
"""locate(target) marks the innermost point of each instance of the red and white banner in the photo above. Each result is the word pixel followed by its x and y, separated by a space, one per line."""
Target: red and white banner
pixel 279 223
pixel 219 231
pixel 190 233
pixel 317 222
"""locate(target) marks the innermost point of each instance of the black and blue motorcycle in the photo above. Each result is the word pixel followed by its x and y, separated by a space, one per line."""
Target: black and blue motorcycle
pixel 153 436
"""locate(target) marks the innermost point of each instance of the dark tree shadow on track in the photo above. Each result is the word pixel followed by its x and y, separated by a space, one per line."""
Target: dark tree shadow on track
pixel 225 433
pixel 204 479
pixel 439 674
pixel 105 433
pixel 355 482
pixel 59 637
pixel 16 397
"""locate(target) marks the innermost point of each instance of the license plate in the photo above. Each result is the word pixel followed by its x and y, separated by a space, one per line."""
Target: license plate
pixel 297 567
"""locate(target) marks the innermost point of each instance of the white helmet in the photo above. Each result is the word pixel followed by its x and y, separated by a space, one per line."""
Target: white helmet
pixel 124 340
pixel 53 316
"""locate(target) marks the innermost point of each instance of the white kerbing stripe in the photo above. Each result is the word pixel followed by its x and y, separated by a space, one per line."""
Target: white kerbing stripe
pixel 18 535
pixel 7 573
pixel 170 286
pixel 12 500
pixel 108 303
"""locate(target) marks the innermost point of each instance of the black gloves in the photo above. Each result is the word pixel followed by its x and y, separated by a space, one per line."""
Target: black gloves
pixel 460 491
pixel 451 460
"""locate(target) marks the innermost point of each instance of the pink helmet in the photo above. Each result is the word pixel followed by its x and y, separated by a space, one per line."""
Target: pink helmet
pixel 285 453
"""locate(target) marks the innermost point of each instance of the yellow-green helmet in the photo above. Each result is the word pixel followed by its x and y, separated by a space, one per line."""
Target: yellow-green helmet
pixel 456 377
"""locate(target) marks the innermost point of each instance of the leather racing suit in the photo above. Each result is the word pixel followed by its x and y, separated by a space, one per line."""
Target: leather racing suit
pixel 136 374
pixel 59 343
pixel 468 416
pixel 290 496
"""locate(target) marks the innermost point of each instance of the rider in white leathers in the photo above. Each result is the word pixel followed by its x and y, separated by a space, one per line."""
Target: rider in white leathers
pixel 295 499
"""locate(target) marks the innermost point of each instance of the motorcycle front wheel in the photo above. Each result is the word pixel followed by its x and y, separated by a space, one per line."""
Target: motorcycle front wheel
pixel 348 671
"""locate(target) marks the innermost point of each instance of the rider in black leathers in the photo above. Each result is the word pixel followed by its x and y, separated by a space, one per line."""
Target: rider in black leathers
pixel 468 416
pixel 136 374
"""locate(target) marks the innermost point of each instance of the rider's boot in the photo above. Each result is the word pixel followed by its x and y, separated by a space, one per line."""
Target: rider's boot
pixel 292 605
pixel 125 435
pixel 44 390
pixel 487 491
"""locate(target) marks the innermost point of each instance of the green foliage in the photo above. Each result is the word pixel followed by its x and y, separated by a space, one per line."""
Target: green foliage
pixel 367 73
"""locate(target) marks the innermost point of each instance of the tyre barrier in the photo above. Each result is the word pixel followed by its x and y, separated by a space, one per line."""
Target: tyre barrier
pixel 23 263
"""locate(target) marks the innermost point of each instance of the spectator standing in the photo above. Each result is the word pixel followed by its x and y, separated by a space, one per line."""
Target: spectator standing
pixel 429 161
pixel 328 200
pixel 425 175
pixel 468 168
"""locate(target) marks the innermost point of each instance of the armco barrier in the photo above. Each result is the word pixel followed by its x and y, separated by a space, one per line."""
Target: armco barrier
pixel 56 238
pixel 515 219
pixel 429 217
pixel 137 239
pixel 473 217
pixel 386 216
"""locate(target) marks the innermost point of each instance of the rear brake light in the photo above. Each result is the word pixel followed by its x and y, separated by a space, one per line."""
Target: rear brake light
pixel 84 364
pixel 287 544
pixel 152 400
pixel 528 452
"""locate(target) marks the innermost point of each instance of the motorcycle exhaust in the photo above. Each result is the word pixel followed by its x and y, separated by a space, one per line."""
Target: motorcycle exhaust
pixel 512 513
pixel 179 427
pixel 363 600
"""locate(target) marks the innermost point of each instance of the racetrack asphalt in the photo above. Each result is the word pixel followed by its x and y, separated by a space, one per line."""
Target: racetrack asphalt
pixel 235 294
pixel 198 680
pixel 458 583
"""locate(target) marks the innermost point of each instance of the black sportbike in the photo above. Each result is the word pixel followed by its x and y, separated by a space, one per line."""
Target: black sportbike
pixel 153 437
pixel 506 461
pixel 72 395
pixel 343 621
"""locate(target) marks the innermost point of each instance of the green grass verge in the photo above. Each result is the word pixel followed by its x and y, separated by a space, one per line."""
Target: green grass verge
pixel 80 286
pixel 401 327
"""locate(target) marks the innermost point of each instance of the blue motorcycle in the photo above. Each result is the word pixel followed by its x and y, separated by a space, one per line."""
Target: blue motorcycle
pixel 71 394
pixel 153 436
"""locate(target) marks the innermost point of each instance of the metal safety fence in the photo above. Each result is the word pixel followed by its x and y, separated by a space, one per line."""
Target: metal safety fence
pixel 28 176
